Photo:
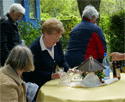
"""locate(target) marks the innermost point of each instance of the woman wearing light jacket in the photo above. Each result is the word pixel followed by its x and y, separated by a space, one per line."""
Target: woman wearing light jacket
pixel 12 87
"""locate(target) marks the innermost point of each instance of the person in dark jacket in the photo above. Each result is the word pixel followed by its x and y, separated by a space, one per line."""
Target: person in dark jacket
pixel 48 53
pixel 9 30
pixel 86 39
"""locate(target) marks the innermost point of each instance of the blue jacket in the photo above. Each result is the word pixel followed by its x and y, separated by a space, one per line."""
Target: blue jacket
pixel 44 63
pixel 9 36
pixel 85 39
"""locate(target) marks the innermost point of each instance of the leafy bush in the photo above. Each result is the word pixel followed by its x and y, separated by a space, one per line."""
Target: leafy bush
pixel 68 25
pixel 28 32
pixel 116 32
pixel 104 24
pixel 45 16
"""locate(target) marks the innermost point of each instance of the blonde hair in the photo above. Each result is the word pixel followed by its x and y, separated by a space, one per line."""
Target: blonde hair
pixel 21 58
pixel 51 25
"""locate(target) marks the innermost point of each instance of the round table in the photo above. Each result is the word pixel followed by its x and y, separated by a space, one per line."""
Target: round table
pixel 52 91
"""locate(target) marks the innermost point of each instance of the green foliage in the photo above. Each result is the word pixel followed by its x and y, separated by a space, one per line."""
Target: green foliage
pixel 116 31
pixel 100 74
pixel 60 9
pixel 28 32
pixel 68 25
pixel 108 7
pixel 45 16
pixel 66 8
pixel 104 24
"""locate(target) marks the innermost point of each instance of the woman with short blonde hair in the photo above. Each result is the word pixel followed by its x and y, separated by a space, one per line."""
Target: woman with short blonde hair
pixel 12 87
pixel 52 25
pixel 48 54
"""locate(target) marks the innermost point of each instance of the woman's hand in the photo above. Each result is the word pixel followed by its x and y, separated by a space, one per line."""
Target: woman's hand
pixel 55 75
pixel 73 70
pixel 117 56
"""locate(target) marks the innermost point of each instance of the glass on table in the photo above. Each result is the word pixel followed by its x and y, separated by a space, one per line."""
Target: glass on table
pixel 70 76
pixel 67 77
pixel 76 76
pixel 64 77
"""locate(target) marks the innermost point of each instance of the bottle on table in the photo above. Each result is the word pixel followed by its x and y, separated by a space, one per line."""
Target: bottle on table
pixel 116 69
pixel 105 63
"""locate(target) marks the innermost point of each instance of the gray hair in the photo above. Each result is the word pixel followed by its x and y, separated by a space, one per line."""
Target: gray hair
pixel 90 11
pixel 17 8
pixel 21 57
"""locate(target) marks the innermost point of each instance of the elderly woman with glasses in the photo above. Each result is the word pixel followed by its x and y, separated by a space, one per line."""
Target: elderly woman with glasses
pixel 48 53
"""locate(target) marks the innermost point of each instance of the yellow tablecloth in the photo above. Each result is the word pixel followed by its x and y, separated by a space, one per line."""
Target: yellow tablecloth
pixel 52 91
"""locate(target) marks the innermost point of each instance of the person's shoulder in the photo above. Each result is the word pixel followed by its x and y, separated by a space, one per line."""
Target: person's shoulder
pixel 97 29
pixel 6 79
pixel 36 44
pixel 78 26
pixel 9 88
pixel 4 19
pixel 36 41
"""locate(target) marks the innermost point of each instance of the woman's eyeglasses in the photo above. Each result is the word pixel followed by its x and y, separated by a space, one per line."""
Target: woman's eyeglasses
pixel 55 37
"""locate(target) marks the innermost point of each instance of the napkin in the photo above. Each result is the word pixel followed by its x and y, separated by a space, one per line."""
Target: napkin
pixel 110 80
pixel 91 80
